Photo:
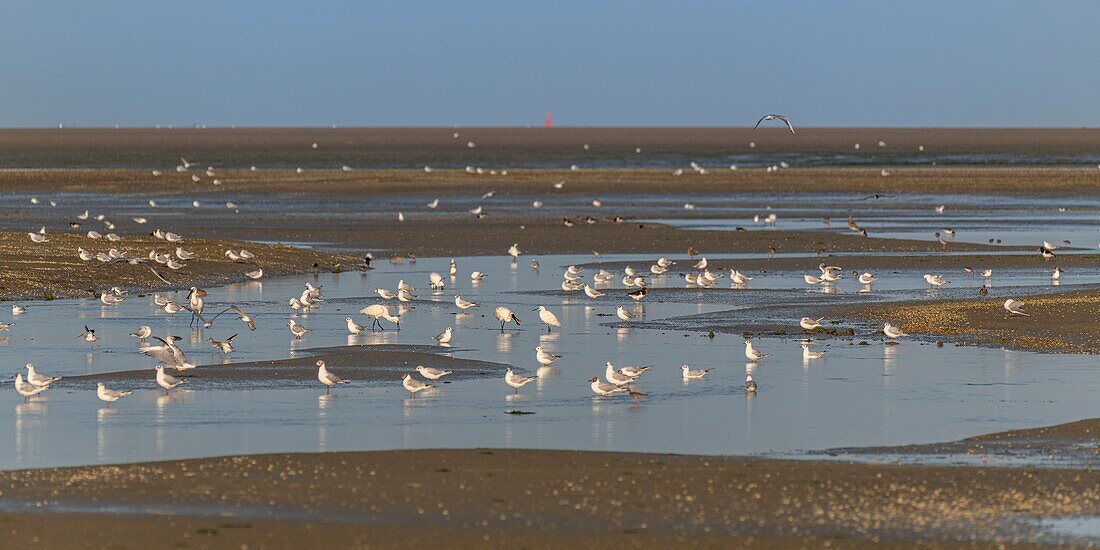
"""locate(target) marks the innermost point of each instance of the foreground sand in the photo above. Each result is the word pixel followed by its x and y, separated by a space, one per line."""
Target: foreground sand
pixel 517 498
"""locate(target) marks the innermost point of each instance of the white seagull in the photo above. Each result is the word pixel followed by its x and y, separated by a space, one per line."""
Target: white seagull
pixel 591 292
pixel 108 395
pixel 165 380
pixel 353 327
pixel 623 314
pixel 297 330
pixel 604 389
pixel 754 354
pixel 935 280
pixel 544 357
pixel 892 332
pixel 517 381
pixel 463 304
pixel 432 374
pixel 26 389
pixel 616 377
pixel 37 379
pixel 445 336
pixel 327 378
pixel 693 374
pixel 413 385
pixel 774 116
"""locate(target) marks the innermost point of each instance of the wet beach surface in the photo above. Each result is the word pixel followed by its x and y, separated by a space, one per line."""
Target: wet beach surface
pixel 843 417
pixel 918 392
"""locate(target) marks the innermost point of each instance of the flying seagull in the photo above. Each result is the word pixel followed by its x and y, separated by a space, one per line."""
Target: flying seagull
pixel 774 116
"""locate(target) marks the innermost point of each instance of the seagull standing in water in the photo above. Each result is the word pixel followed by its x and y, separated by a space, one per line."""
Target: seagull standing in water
pixel 935 281
pixel 297 330
pixel 754 354
pixel 774 116
pixel 517 381
pixel 616 377
pixel 634 372
pixel 591 292
pixel 544 357
pixel 327 378
pixel 445 336
pixel 513 251
pixel 414 386
pixel 693 374
pixel 142 333
pixel 108 395
pixel 750 384
pixel 623 315
pixel 165 380
pixel 37 379
pixel 353 327
pixel 26 389
pixel 892 332
pixel 463 304
pixel 604 389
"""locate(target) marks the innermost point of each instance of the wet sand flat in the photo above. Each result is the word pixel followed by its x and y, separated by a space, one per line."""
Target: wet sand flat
pixel 537 182
pixel 53 269
pixel 362 363
pixel 1074 443
pixel 291 146
pixel 543 499
pixel 1062 322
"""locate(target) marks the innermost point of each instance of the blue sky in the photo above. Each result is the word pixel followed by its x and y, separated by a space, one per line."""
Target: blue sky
pixel 507 63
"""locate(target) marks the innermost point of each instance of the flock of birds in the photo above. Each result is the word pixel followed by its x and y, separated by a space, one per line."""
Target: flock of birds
pixel 166 351
pixel 615 380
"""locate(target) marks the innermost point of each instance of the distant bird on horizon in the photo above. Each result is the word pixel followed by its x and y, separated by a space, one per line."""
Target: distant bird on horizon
pixel 774 116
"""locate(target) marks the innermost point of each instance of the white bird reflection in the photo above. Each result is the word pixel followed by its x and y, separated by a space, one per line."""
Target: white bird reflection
pixel 504 342
pixel 380 337
pixel 889 360
pixel 548 337
pixel 30 420
pixel 103 415
pixel 324 401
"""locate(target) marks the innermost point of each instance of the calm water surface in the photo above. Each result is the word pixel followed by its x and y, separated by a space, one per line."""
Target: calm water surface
pixel 856 396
